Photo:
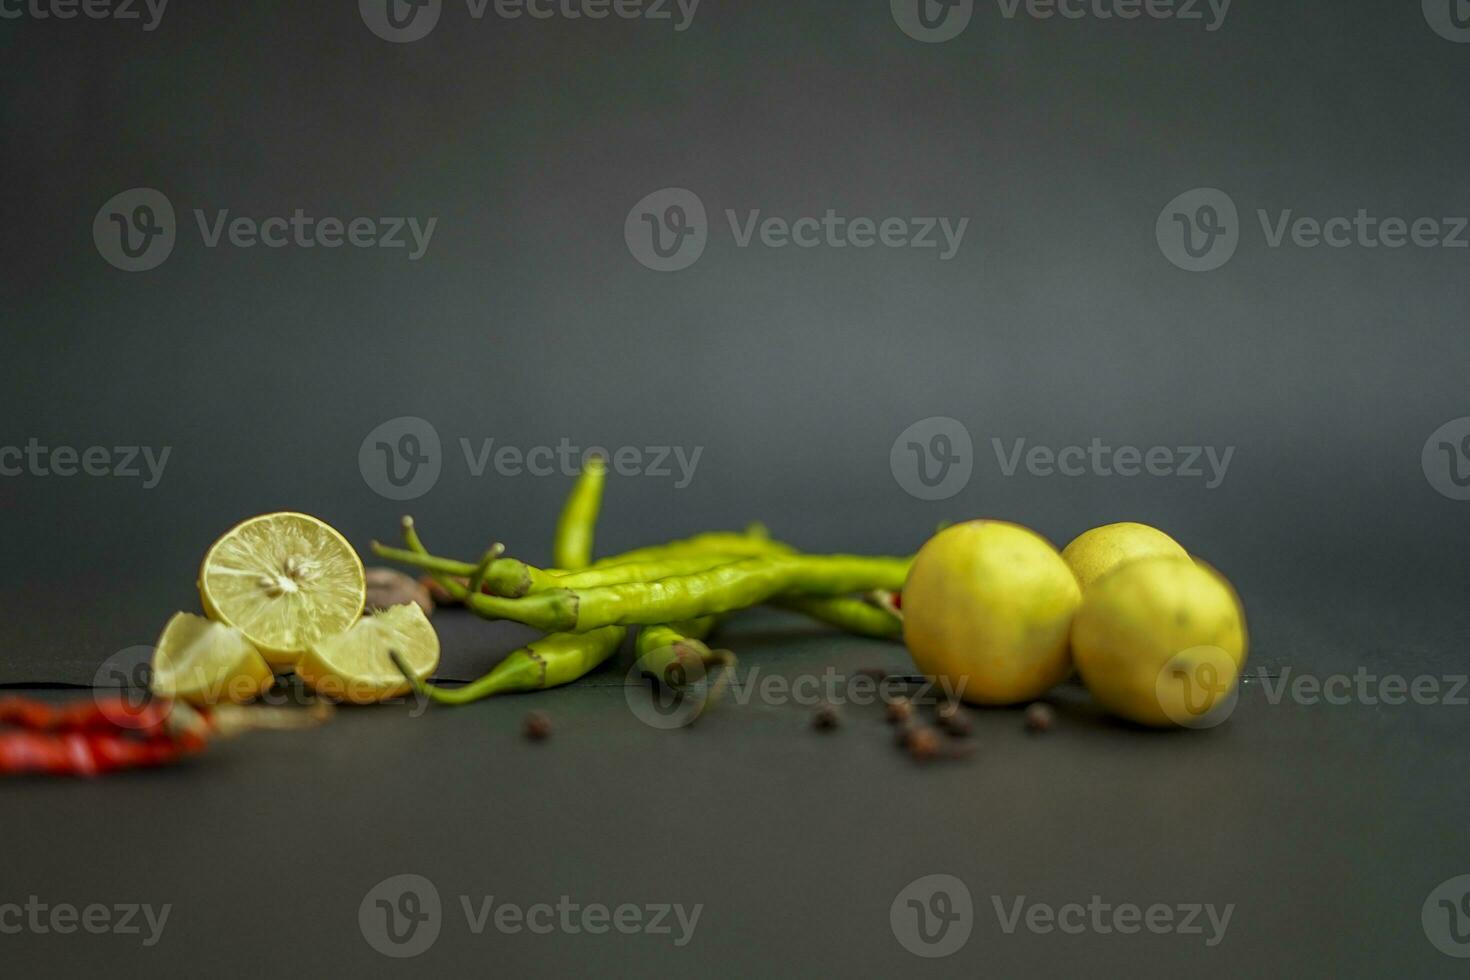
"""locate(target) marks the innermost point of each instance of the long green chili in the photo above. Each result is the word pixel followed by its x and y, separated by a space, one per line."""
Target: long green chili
pixel 846 613
pixel 578 524
pixel 725 588
pixel 559 658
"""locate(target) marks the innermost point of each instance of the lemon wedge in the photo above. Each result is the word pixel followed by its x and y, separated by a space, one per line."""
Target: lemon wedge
pixel 204 662
pixel 354 666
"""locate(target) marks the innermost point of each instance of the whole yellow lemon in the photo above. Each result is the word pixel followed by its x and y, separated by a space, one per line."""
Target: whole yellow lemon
pixel 1092 554
pixel 987 609
pixel 1160 641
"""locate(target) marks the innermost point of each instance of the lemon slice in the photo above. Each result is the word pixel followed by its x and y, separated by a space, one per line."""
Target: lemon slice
pixel 355 666
pixel 205 662
pixel 284 580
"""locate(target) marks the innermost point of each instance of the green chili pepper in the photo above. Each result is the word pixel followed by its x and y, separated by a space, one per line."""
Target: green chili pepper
pixel 574 532
pixel 736 585
pixel 660 647
pixel 753 542
pixel 846 613
pixel 647 570
pixel 559 658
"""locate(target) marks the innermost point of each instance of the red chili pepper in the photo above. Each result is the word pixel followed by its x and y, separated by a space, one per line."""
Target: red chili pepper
pixel 98 735
pixel 87 753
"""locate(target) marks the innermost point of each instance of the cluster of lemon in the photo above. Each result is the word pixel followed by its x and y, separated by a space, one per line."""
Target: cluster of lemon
pixel 286 592
pixel 1158 637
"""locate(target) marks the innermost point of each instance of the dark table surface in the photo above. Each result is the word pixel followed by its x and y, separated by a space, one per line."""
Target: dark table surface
pixel 1320 829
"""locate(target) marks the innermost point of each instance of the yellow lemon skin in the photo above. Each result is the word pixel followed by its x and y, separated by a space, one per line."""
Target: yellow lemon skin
pixel 1092 554
pixel 987 609
pixel 1159 640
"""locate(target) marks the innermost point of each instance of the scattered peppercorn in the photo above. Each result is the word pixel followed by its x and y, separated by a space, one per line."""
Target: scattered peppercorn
pixel 923 744
pixel 899 711
pixel 955 720
pixel 826 718
pixel 537 726
pixel 1040 717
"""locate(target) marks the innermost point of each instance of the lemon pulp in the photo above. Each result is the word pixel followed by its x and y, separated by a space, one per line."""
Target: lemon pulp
pixel 285 580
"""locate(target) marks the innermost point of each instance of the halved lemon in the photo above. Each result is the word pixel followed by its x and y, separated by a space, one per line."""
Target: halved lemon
pixel 355 666
pixel 204 662
pixel 285 580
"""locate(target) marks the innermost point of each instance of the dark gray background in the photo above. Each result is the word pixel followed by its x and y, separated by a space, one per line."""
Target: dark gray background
pixel 529 321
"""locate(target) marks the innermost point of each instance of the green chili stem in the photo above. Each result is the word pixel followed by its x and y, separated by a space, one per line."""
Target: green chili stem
pixel 575 530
